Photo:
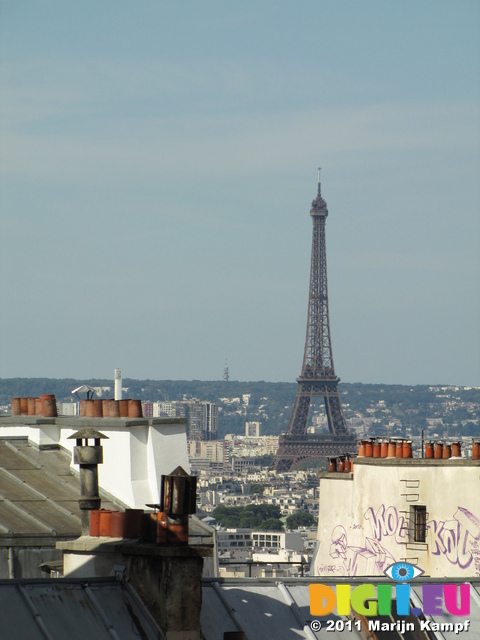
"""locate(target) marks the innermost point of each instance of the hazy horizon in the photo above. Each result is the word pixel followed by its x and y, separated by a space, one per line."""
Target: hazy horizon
pixel 219 380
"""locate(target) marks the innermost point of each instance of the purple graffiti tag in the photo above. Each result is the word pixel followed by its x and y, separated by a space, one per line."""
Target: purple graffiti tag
pixel 369 559
pixel 386 523
pixel 455 538
pixel 436 530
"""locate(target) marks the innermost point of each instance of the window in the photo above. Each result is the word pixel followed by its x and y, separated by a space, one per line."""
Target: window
pixel 419 523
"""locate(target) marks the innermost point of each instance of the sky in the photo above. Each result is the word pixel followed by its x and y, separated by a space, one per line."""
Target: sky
pixel 158 162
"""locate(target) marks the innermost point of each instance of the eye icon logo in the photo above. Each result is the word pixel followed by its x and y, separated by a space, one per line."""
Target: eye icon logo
pixel 403 572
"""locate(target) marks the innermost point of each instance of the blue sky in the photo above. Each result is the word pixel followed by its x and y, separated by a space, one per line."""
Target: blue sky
pixel 158 161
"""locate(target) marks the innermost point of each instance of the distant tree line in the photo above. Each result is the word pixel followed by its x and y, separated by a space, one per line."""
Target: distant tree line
pixel 271 402
pixel 261 517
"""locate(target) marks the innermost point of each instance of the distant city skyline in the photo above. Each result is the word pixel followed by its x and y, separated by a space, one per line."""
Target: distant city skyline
pixel 158 163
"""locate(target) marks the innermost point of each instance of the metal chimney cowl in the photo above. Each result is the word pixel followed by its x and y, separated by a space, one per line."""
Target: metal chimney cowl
pixel 88 457
pixel 178 493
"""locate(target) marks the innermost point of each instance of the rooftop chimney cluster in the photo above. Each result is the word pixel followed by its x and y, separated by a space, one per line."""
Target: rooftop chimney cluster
pixel 440 450
pixel 167 524
pixel 45 406
pixel 110 408
pixel 342 463
pixel 385 448
pixel 401 448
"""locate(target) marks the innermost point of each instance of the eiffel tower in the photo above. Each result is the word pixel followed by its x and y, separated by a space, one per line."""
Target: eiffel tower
pixel 317 378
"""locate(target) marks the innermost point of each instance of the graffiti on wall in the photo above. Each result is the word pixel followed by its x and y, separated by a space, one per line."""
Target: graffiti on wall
pixel 386 522
pixel 370 559
pixel 457 539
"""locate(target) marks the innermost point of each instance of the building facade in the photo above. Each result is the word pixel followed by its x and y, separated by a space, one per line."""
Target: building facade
pixel 174 409
pixel 252 429
pixel 202 420
pixel 422 511
pixel 241 542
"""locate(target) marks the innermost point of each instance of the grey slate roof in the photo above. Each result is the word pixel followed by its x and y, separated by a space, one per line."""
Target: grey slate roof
pixel 280 608
pixel 38 493
pixel 262 608
pixel 96 609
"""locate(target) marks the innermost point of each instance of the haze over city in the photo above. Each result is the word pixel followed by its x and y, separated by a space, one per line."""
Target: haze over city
pixel 158 162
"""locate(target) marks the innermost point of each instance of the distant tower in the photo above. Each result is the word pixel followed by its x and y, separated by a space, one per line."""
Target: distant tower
pixel 318 374
pixel 118 384
pixel 226 377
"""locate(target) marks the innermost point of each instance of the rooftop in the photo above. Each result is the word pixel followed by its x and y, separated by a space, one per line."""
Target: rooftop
pixel 82 422
pixel 280 608
pixel 76 609
pixel 39 494
pixel 412 462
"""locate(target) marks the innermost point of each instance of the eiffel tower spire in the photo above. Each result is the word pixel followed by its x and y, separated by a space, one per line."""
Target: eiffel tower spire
pixel 319 201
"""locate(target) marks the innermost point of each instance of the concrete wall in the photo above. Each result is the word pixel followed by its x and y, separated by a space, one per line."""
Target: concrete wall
pixel 365 519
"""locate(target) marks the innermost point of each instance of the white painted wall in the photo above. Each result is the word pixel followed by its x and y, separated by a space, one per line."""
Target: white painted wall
pixel 364 521
pixel 135 458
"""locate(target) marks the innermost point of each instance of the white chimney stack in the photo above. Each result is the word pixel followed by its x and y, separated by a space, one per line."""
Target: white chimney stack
pixel 118 384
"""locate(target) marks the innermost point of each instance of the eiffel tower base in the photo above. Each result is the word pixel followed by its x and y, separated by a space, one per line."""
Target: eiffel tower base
pixel 294 450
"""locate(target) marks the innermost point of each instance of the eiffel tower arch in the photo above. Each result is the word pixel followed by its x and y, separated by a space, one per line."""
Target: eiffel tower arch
pixel 317 378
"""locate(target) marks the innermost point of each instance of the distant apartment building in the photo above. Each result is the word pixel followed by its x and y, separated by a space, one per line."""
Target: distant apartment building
pixel 252 429
pixel 206 455
pixel 235 544
pixel 241 543
pixel 277 540
pixel 173 409
pixel 68 408
pixel 202 420
pixel 147 408
pixel 238 465
pixel 283 557
pixel 252 446
pixel 211 421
